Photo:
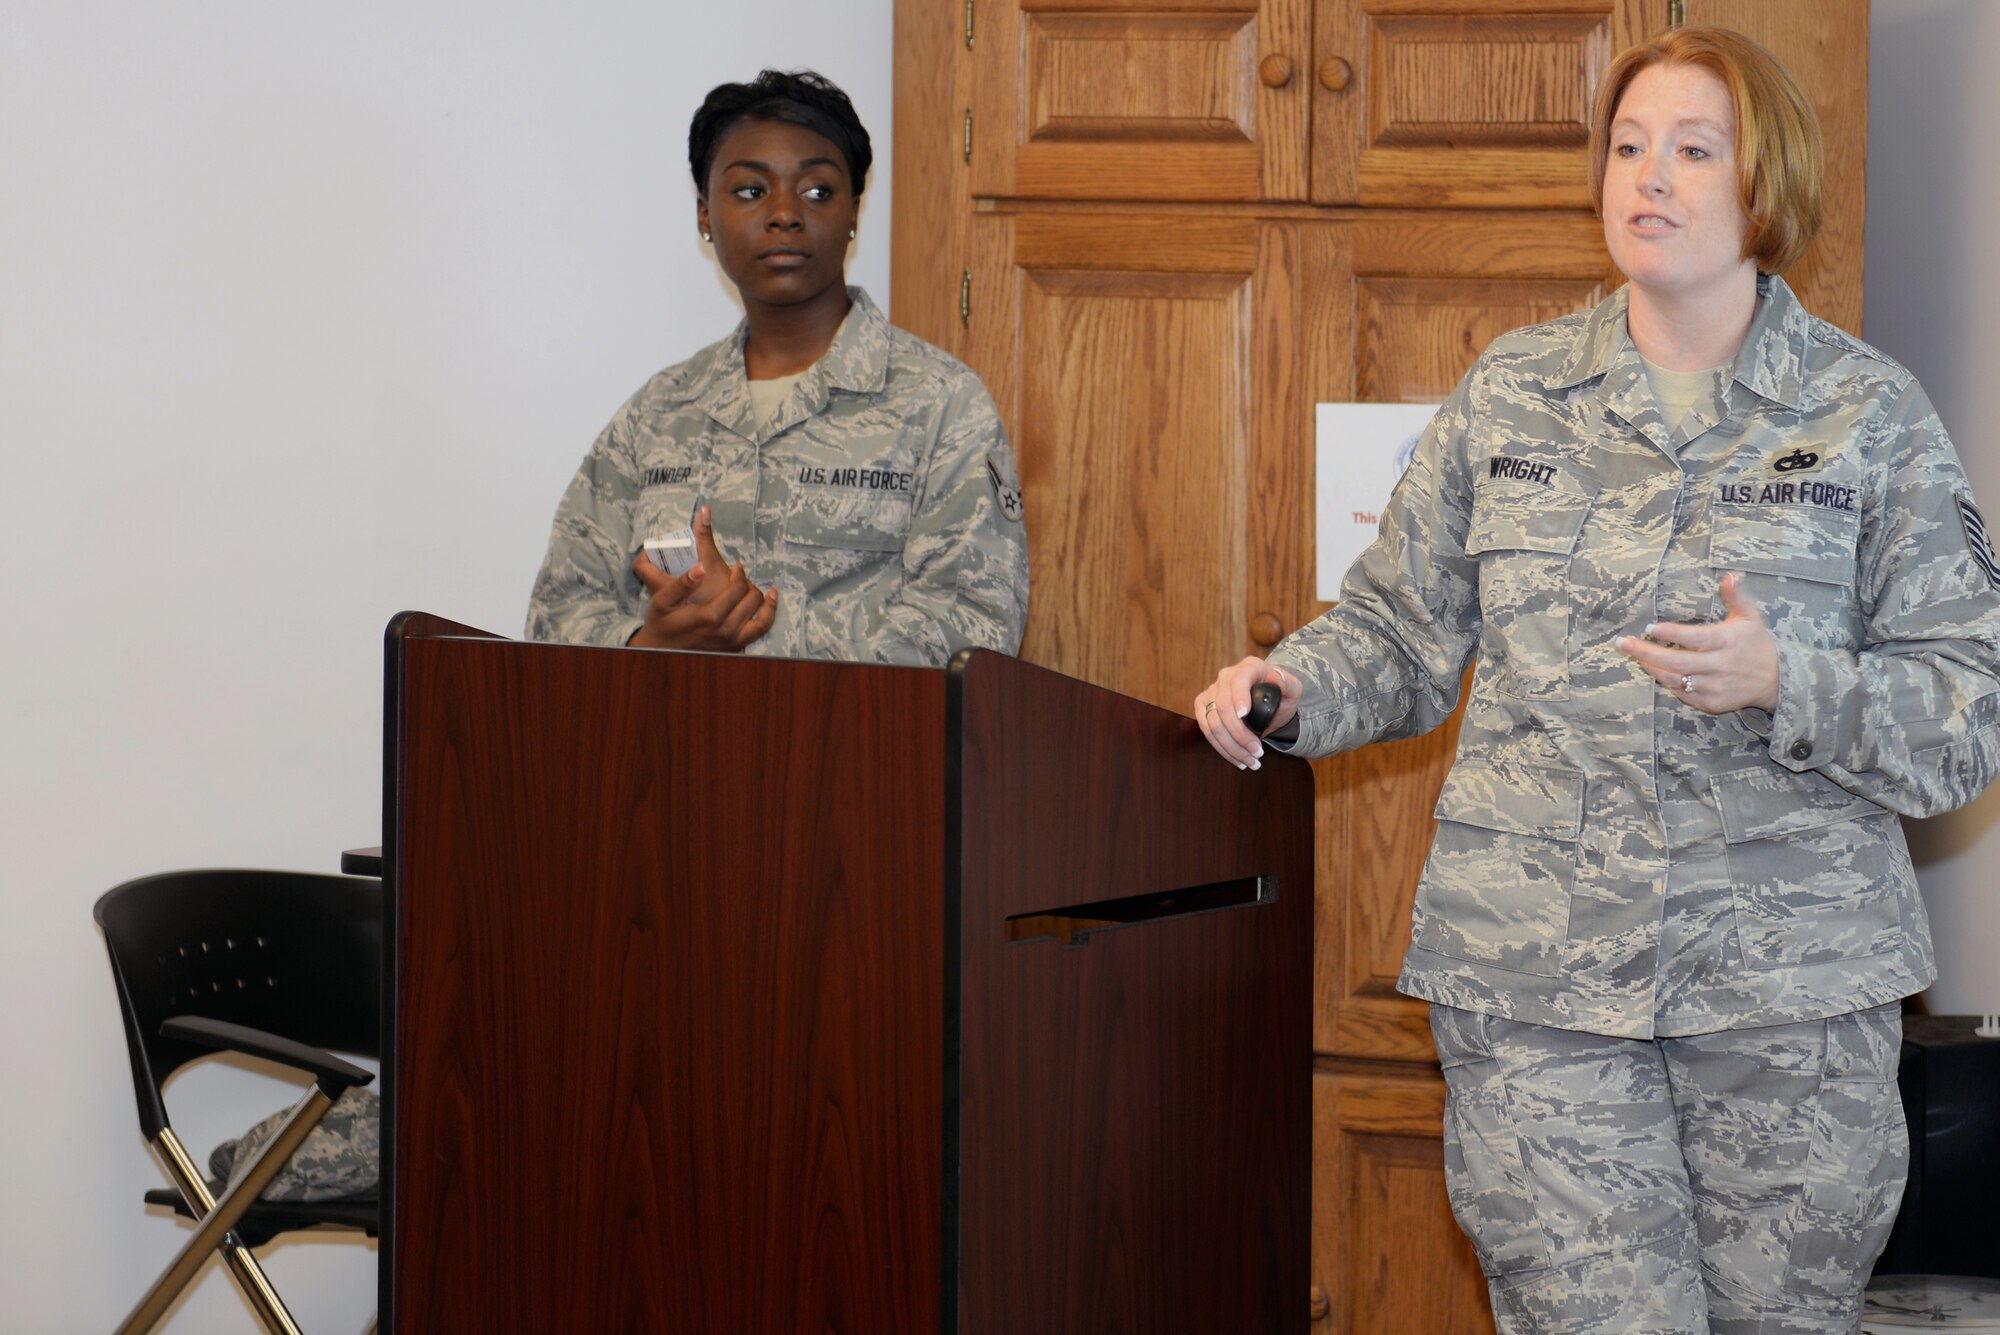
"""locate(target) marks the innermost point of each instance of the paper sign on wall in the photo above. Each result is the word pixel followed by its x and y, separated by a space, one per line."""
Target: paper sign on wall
pixel 1361 449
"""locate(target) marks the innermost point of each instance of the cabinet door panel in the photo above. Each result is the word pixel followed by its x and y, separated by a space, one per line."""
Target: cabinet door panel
pixel 1404 308
pixel 1141 101
pixel 1150 402
pixel 1412 334
pixel 1387 1254
pixel 1461 103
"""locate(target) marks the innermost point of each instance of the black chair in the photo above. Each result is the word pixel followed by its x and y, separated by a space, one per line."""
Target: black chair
pixel 278 965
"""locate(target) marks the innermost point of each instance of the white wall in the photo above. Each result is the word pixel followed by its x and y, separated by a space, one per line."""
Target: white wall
pixel 306 316
pixel 1933 281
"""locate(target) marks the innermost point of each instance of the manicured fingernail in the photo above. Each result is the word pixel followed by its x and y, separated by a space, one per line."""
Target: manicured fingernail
pixel 1256 764
pixel 1243 711
pixel 1648 630
pixel 1241 765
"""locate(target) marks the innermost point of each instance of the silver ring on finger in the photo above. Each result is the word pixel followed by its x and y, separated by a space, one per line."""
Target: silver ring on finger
pixel 1687 684
pixel 1210 709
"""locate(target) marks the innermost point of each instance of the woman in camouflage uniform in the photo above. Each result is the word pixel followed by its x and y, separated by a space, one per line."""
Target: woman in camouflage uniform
pixel 1733 609
pixel 861 473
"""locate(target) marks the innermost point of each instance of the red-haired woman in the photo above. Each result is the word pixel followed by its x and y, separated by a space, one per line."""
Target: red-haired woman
pixel 1733 610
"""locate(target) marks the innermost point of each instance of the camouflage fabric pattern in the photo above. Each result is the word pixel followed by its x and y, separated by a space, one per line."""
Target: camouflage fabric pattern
pixel 340 1160
pixel 1607 857
pixel 881 501
pixel 1628 1185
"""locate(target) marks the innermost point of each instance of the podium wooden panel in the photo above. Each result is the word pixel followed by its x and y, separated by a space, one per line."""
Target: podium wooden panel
pixel 732 995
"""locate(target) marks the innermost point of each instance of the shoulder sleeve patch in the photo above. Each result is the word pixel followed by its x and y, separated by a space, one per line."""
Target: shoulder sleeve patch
pixel 1976 539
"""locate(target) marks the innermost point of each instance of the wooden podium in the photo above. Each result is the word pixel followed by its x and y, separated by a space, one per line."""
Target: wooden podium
pixel 740 995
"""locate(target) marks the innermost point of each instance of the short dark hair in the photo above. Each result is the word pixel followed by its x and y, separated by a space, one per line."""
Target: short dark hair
pixel 800 98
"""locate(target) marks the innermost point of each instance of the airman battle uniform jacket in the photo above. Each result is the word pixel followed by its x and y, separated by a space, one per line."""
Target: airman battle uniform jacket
pixel 881 502
pixel 1608 858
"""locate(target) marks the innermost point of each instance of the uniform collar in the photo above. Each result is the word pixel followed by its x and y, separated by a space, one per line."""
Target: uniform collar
pixel 1773 357
pixel 1768 364
pixel 856 361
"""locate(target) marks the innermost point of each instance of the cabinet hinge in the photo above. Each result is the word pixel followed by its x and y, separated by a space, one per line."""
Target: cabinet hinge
pixel 968 25
pixel 968 136
pixel 965 298
pixel 1677 13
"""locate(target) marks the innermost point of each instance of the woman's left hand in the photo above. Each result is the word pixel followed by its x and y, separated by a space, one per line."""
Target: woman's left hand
pixel 1717 666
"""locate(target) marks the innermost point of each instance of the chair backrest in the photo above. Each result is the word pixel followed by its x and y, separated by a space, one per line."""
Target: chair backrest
pixel 296 954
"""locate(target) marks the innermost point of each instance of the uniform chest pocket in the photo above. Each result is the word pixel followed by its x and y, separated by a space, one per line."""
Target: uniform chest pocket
pixel 840 531
pixel 665 507
pixel 1797 564
pixel 1523 537
pixel 1801 542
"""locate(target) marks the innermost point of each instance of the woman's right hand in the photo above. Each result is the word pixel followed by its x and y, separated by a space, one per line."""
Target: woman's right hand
pixel 713 606
pixel 1220 709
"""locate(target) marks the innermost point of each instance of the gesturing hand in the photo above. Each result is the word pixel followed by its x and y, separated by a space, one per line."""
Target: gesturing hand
pixel 1715 667
pixel 713 606
pixel 1220 710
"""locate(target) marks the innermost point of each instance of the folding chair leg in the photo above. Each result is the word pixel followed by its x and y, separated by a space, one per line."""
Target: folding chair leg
pixel 212 1230
pixel 243 1267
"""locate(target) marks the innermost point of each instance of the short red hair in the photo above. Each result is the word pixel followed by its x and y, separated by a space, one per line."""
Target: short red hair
pixel 1779 161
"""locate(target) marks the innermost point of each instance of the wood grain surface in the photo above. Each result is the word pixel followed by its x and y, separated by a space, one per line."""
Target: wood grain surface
pixel 670 984
pixel 1135 1114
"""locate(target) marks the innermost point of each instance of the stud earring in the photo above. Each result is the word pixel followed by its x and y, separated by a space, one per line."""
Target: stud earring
pixel 706 237
pixel 850 234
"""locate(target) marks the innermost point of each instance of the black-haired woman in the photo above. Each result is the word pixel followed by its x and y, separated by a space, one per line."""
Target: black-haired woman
pixel 861 475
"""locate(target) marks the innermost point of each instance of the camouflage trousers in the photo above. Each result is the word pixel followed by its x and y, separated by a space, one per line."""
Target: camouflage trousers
pixel 1733 1183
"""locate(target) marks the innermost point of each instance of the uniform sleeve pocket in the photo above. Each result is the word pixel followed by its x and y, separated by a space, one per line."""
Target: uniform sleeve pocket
pixel 850 521
pixel 1799 543
pixel 1770 803
pixel 1525 519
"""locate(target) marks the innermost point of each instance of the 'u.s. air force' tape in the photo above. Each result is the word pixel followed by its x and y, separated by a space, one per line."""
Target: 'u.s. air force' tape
pixel 674 553
pixel 1976 539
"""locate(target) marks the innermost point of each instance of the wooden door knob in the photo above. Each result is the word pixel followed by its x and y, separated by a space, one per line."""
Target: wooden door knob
pixel 1266 629
pixel 1275 70
pixel 1335 74
pixel 1320 1306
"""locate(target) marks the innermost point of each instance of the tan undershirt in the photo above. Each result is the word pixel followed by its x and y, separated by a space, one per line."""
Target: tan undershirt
pixel 767 396
pixel 1677 392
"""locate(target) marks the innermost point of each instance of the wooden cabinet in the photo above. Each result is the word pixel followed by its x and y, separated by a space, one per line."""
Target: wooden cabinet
pixel 1387 1254
pixel 1462 103
pixel 1147 369
pixel 1162 231
pixel 1140 99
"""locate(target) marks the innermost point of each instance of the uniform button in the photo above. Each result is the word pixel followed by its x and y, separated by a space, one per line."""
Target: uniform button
pixel 1802 750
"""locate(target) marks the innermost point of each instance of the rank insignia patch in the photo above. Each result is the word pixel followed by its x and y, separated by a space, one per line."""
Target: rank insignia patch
pixel 1006 493
pixel 1976 539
